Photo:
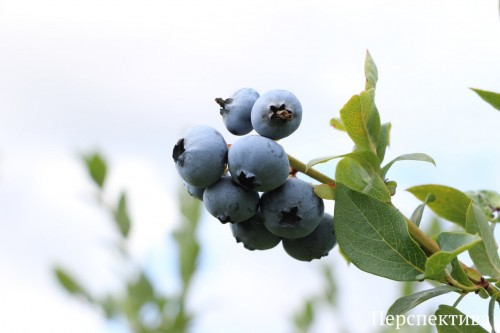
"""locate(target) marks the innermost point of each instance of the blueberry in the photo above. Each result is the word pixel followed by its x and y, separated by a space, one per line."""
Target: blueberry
pixel 253 234
pixel 229 202
pixel 315 245
pixel 276 114
pixel 235 110
pixel 292 210
pixel 258 163
pixel 195 192
pixel 200 156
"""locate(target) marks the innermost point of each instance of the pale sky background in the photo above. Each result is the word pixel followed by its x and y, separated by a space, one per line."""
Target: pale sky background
pixel 127 77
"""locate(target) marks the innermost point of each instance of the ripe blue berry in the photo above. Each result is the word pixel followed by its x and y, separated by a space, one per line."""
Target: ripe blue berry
pixel 292 210
pixel 230 202
pixel 315 245
pixel 276 114
pixel 253 234
pixel 200 156
pixel 258 163
pixel 195 192
pixel 235 110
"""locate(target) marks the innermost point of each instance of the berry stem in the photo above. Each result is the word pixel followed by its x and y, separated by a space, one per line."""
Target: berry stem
pixel 221 102
pixel 301 167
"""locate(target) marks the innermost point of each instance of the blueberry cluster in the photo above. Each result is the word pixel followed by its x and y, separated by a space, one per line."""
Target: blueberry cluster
pixel 250 184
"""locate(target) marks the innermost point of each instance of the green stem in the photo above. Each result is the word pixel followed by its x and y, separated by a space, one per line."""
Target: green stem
pixel 302 167
pixel 459 299
pixel 465 288
pixel 427 243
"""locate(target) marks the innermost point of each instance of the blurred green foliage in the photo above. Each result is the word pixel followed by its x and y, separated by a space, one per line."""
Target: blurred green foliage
pixel 139 305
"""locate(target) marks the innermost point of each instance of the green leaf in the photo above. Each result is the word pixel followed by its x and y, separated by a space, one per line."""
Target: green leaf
pixel 384 140
pixel 190 209
pixel 490 97
pixel 451 244
pixel 418 213
pixel 67 281
pixel 188 249
pixel 325 191
pixel 110 306
pixel 180 323
pixel 456 242
pixel 371 72
pixel 434 227
pixel 186 240
pixel 484 255
pixel 96 167
pixel 408 157
pixel 391 186
pixel 491 313
pixel 140 291
pixel 337 124
pixel 459 274
pixel 330 291
pixel 353 175
pixel 449 203
pixel 304 319
pixel 374 236
pixel 483 294
pixel 451 320
pixel 367 159
pixel 362 121
pixel 406 303
pixel 70 284
pixel 489 201
pixel 188 255
pixel 122 217
pixel 359 171
pixel 343 255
